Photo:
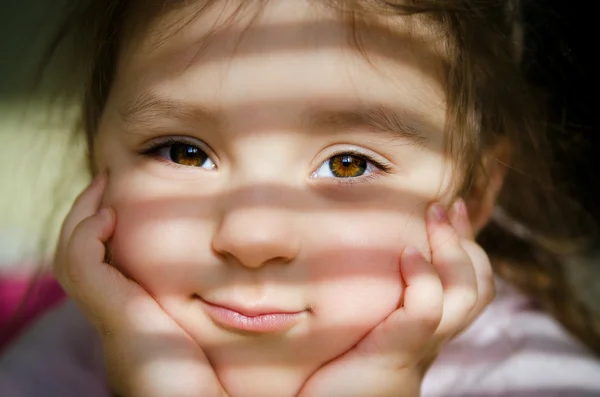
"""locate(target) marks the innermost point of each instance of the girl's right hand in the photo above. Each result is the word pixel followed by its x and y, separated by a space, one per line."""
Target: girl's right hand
pixel 147 354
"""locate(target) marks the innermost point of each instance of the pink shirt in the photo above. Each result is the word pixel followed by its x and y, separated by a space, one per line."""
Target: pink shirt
pixel 512 350
pixel 44 294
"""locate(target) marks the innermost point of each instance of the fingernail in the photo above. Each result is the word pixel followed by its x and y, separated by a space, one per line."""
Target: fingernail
pixel 412 251
pixel 98 178
pixel 460 207
pixel 105 213
pixel 438 213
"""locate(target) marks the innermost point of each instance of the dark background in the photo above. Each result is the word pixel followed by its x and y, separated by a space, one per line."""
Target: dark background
pixel 561 57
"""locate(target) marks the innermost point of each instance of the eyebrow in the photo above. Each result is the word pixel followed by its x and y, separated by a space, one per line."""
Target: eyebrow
pixel 378 118
pixel 150 108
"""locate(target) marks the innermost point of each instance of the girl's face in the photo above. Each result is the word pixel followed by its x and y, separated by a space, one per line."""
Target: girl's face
pixel 272 167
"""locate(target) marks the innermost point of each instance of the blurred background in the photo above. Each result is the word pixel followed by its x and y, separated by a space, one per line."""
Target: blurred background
pixel 42 168
pixel 561 60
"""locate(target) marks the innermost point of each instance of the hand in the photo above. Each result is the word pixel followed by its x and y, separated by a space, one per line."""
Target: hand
pixel 441 299
pixel 147 354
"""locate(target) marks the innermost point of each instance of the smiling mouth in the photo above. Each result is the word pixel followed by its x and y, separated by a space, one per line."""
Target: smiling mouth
pixel 255 321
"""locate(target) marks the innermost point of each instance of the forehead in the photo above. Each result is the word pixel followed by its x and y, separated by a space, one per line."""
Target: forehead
pixel 282 50
pixel 204 29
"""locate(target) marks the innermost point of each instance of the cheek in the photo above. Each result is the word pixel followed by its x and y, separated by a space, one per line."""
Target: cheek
pixel 355 267
pixel 159 241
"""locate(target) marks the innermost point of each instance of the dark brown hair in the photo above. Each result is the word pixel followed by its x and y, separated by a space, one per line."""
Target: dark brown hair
pixel 534 228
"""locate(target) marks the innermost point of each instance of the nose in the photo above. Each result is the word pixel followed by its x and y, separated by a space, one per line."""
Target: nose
pixel 255 237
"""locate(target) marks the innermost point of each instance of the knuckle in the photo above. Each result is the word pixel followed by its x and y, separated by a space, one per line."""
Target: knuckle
pixel 449 250
pixel 444 236
pixel 488 293
pixel 72 277
pixel 70 267
pixel 477 254
pixel 470 298
pixel 430 319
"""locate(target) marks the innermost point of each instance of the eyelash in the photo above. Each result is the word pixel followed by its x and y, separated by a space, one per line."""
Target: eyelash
pixel 382 166
pixel 151 151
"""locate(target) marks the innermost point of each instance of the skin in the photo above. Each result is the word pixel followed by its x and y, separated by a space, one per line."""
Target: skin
pixel 266 225
pixel 148 354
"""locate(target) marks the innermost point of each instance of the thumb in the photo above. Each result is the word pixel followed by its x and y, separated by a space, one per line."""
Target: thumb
pixel 84 273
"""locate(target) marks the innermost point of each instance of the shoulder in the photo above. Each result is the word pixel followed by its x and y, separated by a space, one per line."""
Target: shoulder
pixel 514 350
pixel 60 355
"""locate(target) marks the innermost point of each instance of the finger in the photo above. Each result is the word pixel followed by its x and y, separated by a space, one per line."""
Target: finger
pixel 423 296
pixel 484 276
pixel 413 324
pixel 455 269
pixel 459 219
pixel 86 276
pixel 99 287
pixel 128 319
pixel 85 252
pixel 85 205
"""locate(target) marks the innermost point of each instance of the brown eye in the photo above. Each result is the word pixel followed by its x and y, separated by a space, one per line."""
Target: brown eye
pixel 181 153
pixel 351 167
pixel 189 155
pixel 347 166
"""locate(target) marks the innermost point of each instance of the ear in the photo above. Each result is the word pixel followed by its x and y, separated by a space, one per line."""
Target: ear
pixel 481 200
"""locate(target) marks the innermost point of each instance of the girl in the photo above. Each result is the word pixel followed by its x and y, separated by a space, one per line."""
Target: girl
pixel 277 208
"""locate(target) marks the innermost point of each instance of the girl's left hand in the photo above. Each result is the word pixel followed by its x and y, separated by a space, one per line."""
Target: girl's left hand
pixel 441 299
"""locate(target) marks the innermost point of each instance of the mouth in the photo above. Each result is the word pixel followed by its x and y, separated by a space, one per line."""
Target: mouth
pixel 261 320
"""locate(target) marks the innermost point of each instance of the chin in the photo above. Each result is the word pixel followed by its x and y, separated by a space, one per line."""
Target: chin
pixel 263 381
pixel 261 364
